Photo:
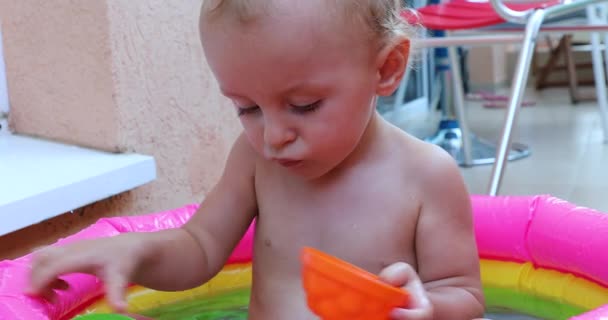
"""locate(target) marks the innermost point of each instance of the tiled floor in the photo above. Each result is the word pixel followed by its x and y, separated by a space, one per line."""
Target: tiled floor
pixel 569 159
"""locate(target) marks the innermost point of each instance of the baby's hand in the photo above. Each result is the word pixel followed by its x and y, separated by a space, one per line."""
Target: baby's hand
pixel 113 260
pixel 404 276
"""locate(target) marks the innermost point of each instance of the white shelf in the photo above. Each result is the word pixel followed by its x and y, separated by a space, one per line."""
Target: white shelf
pixel 41 179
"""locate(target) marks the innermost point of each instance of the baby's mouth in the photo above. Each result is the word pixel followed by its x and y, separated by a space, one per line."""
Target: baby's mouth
pixel 288 163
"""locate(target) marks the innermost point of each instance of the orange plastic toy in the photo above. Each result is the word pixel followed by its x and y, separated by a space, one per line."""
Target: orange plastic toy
pixel 337 290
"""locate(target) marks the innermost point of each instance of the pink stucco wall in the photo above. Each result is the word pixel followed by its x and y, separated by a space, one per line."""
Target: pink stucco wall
pixel 117 75
pixel 59 63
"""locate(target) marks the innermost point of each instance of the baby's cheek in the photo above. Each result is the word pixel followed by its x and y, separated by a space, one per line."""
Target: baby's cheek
pixel 254 136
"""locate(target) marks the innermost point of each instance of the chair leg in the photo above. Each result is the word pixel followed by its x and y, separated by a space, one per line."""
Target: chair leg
pixel 600 80
pixel 598 73
pixel 603 16
pixel 458 100
pixel 571 70
pixel 517 91
pixel 551 64
pixel 604 111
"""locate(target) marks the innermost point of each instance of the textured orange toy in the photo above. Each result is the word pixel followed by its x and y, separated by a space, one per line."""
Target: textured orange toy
pixel 337 290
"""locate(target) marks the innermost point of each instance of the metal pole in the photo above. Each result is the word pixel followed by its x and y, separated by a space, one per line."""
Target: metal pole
pixel 517 91
pixel 458 103
pixel 522 17
pixel 598 70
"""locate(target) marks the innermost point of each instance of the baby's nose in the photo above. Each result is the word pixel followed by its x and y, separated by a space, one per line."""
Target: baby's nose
pixel 278 135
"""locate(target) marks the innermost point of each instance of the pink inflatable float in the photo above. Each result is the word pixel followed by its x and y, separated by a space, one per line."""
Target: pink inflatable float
pixel 540 256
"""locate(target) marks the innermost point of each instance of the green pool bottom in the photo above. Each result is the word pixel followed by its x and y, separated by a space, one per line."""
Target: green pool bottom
pixel 500 300
pixel 229 305
pixel 232 305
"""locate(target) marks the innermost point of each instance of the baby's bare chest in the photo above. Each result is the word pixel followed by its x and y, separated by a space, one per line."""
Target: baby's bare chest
pixel 369 223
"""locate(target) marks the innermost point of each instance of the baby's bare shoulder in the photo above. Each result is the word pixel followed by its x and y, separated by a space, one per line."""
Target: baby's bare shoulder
pixel 437 182
pixel 425 164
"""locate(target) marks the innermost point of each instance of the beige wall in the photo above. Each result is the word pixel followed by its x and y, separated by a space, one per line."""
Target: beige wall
pixel 59 66
pixel 487 67
pixel 121 76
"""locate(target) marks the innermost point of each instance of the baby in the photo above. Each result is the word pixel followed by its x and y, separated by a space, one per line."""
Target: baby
pixel 315 164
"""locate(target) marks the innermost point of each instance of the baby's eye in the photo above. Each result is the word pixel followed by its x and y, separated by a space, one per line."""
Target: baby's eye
pixel 247 110
pixel 306 108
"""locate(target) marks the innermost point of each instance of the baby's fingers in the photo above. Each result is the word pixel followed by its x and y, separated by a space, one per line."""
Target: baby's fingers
pixel 402 275
pixel 398 274
pixel 48 265
pixel 115 283
pixel 411 314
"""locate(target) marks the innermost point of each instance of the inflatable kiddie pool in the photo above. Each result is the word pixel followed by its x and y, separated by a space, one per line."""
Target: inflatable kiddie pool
pixel 541 256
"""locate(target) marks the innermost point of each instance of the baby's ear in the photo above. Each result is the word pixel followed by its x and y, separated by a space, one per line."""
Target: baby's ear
pixel 392 63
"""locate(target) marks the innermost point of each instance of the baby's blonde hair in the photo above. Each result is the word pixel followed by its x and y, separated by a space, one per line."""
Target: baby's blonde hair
pixel 382 16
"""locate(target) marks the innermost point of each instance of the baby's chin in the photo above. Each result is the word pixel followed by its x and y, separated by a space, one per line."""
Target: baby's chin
pixel 317 171
pixel 304 169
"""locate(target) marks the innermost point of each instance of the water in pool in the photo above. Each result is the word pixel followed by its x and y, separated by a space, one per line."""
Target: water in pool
pixel 495 316
pixel 231 305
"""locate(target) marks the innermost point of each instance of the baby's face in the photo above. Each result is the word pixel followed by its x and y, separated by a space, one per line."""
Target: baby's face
pixel 303 86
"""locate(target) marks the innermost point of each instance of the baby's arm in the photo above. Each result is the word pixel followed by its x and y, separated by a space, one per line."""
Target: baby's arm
pixel 199 249
pixel 447 257
pixel 168 260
